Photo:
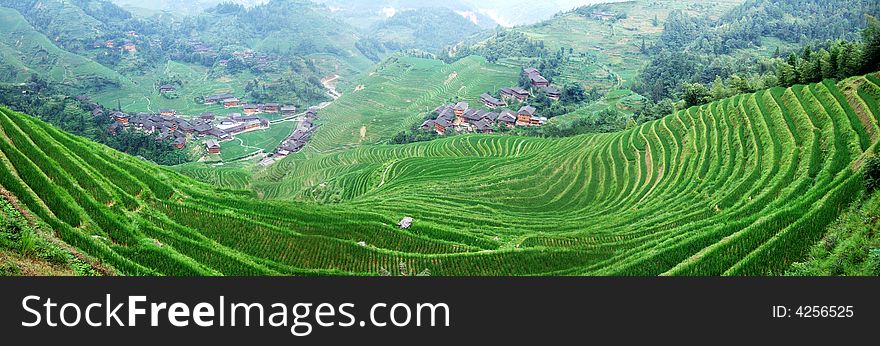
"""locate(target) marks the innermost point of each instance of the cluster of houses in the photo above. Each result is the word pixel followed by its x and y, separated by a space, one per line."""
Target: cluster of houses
pixel 539 82
pixel 231 101
pixel 127 43
pixel 179 130
pixel 460 117
pixel 298 139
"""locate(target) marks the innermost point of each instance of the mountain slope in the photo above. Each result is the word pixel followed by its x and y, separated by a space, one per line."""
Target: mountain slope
pixel 24 51
pixel 740 186
pixel 427 29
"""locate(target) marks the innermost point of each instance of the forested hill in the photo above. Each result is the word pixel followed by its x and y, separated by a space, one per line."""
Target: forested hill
pixel 289 27
pixel 427 29
pixel 98 29
pixel 743 42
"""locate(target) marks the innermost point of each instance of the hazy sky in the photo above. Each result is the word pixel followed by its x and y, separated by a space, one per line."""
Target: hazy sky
pixel 504 12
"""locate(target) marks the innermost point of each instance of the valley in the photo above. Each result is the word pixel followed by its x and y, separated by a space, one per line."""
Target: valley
pixel 648 138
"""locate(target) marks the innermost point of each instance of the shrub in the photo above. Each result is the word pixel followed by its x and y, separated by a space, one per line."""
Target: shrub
pixel 872 174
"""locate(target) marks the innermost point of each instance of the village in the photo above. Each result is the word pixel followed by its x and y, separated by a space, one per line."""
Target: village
pixel 462 118
pixel 181 130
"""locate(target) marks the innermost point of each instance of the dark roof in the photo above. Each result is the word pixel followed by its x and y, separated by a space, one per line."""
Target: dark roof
pixel 536 78
pixel 527 110
pixel 490 99
pixel 507 116
pixel 474 115
pixel 441 108
pixel 167 111
pixel 518 90
pixel 446 114
pixel 427 124
pixel 166 86
pixel 550 90
pixel 530 70
pixel 483 125
pixel 443 122
pixel 219 97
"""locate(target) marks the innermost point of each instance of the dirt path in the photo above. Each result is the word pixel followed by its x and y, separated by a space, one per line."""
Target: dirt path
pixel 329 84
pixel 385 173
pixel 451 77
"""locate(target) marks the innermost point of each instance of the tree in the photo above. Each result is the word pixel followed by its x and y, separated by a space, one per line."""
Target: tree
pixel 573 93
pixel 719 91
pixel 872 174
pixel 871 39
pixel 695 94
pixel 826 66
pixel 740 85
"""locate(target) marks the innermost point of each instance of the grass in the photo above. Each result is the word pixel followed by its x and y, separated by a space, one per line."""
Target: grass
pixel 742 186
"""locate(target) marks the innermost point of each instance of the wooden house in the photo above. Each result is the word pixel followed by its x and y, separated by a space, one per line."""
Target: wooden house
pixel 490 101
pixel 552 93
pixel 179 142
pixel 251 109
pixel 167 88
pixel 483 126
pixel 120 117
pixel 460 108
pixel 507 118
pixel 515 93
pixel 212 146
pixel 538 81
pixel 525 114
pixel 288 110
pixel 231 102
pixel 271 108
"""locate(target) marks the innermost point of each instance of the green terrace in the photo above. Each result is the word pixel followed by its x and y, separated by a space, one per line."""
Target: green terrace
pixel 741 186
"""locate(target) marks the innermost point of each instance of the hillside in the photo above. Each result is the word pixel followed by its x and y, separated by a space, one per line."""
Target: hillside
pixel 25 51
pixel 426 29
pixel 396 93
pixel 740 186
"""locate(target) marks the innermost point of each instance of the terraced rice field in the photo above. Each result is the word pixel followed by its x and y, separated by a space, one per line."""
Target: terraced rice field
pixel 742 186
pixel 398 93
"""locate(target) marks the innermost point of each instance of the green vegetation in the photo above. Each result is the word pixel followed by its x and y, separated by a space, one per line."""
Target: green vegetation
pixel 48 102
pixel 740 186
pixel 701 50
pixel 426 29
pixel 25 250
pixel 851 246
pixel 398 92
pixel 714 158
